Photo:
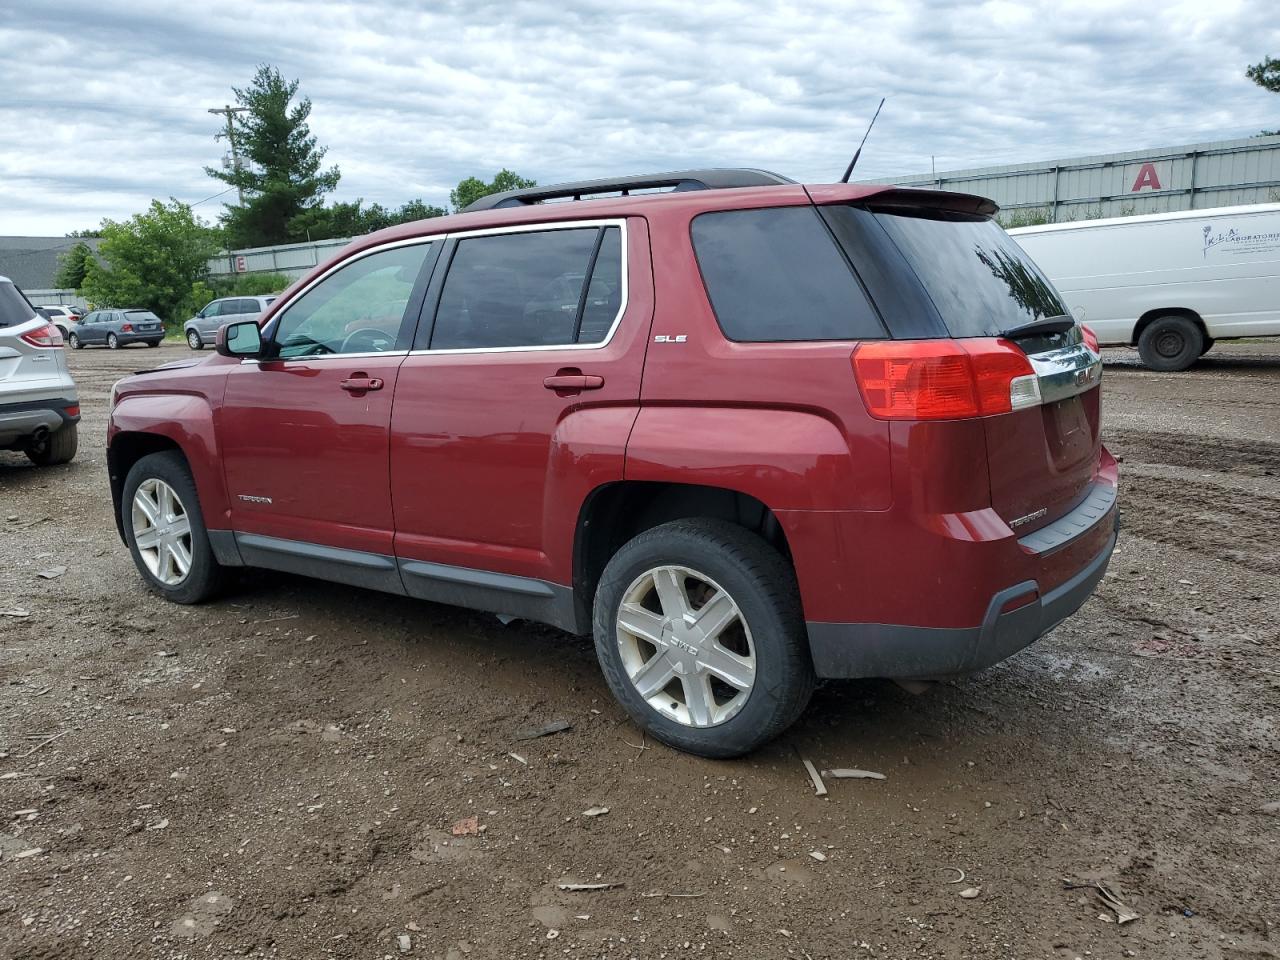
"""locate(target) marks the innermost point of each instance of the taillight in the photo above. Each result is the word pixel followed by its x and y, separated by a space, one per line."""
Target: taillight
pixel 47 336
pixel 72 411
pixel 1090 338
pixel 126 328
pixel 943 379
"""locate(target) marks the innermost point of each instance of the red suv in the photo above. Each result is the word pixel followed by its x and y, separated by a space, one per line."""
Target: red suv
pixel 747 432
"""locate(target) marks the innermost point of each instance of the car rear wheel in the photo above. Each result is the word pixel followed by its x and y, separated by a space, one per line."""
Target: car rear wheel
pixel 165 529
pixel 113 341
pixel 1170 343
pixel 74 342
pixel 153 343
pixel 194 341
pixel 54 448
pixel 700 636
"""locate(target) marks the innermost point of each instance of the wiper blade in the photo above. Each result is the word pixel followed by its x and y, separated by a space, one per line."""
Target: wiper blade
pixel 1038 328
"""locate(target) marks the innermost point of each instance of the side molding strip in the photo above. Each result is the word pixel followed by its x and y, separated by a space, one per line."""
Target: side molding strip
pixel 466 576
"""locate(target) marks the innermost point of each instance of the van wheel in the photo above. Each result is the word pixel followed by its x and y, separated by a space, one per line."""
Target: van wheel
pixel 1208 345
pixel 1170 343
pixel 700 635
pixel 165 529
pixel 54 448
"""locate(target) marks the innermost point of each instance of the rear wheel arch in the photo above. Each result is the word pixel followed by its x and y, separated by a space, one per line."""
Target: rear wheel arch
pixel 1170 340
pixel 615 513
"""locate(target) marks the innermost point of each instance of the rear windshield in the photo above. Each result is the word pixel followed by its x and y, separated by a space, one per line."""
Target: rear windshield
pixel 143 315
pixel 14 308
pixel 980 280
pixel 776 274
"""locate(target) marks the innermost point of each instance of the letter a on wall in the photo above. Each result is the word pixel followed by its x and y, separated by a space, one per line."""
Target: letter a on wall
pixel 1146 178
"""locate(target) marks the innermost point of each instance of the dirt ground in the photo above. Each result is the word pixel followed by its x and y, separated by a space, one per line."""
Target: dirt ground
pixel 277 774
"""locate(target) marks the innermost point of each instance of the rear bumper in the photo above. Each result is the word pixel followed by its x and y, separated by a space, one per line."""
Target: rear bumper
pixel 19 421
pixel 889 650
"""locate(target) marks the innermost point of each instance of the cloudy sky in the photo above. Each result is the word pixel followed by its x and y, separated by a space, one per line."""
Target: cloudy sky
pixel 103 102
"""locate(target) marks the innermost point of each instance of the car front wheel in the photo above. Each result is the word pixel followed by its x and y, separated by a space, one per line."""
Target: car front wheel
pixel 700 636
pixel 165 529
pixel 194 341
pixel 1170 343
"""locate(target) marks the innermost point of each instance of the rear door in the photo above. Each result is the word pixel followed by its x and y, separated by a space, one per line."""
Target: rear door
pixel 1042 458
pixel 517 399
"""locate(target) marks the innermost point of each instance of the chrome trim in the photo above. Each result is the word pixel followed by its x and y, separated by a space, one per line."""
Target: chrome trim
pixel 327 356
pixel 619 222
pixel 1066 372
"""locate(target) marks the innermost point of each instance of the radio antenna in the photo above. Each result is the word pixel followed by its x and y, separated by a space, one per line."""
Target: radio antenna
pixel 854 162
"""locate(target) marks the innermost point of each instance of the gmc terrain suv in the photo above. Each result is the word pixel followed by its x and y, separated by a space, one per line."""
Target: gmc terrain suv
pixel 747 432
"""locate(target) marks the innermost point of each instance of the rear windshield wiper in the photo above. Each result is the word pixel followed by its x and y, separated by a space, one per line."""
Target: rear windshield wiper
pixel 1040 328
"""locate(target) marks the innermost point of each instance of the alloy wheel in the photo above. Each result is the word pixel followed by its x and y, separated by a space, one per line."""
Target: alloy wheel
pixel 686 646
pixel 162 531
pixel 193 340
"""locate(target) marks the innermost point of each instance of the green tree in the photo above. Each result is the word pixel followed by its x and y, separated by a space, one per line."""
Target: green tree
pixel 473 188
pixel 151 260
pixel 72 267
pixel 354 219
pixel 279 172
pixel 1266 75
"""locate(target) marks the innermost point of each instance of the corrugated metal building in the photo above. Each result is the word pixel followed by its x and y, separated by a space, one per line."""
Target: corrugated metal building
pixel 291 259
pixel 32 262
pixel 1158 180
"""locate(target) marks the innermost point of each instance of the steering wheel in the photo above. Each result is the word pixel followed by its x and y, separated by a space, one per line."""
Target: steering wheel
pixel 377 340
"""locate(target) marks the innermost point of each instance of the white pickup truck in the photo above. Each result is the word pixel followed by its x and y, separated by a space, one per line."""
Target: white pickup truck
pixel 1169 283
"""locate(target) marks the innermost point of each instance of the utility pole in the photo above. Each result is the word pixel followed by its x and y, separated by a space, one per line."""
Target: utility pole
pixel 230 111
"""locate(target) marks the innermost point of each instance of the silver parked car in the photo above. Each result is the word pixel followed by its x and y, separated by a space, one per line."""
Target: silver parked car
pixel 39 406
pixel 203 327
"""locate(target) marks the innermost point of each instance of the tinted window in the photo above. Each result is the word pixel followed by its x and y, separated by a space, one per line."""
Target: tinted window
pixel 14 308
pixel 212 310
pixel 244 306
pixel 777 275
pixel 525 289
pixel 980 280
pixel 357 309
pixel 604 294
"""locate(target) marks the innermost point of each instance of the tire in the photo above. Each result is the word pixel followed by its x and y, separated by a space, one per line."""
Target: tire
pixel 1170 343
pixel 153 343
pixel 204 576
pixel 113 341
pixel 1208 345
pixel 58 447
pixel 194 341
pixel 713 557
pixel 62 330
pixel 74 342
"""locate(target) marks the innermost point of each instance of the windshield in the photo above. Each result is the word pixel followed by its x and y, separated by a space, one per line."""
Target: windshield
pixel 14 308
pixel 980 280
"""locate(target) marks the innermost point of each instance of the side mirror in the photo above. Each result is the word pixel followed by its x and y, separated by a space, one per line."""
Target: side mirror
pixel 242 339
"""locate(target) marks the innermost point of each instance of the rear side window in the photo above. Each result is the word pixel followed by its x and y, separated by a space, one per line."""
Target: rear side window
pixel 980 280
pixel 531 289
pixel 776 275
pixel 14 308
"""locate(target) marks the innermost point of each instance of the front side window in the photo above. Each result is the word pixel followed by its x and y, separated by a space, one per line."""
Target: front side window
pixel 776 275
pixel 212 310
pixel 531 289
pixel 359 308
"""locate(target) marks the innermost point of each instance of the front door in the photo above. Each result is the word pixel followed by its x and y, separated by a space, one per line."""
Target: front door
pixel 517 400
pixel 304 430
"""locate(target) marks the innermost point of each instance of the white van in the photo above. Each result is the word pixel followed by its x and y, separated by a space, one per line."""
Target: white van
pixel 1169 283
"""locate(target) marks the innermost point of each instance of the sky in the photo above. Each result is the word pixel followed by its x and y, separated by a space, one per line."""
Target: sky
pixel 103 103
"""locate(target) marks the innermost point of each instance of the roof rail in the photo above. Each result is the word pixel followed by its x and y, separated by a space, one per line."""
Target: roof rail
pixel 717 178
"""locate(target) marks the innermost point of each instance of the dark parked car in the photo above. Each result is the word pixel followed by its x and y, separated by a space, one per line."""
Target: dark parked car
pixel 117 328
pixel 748 437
